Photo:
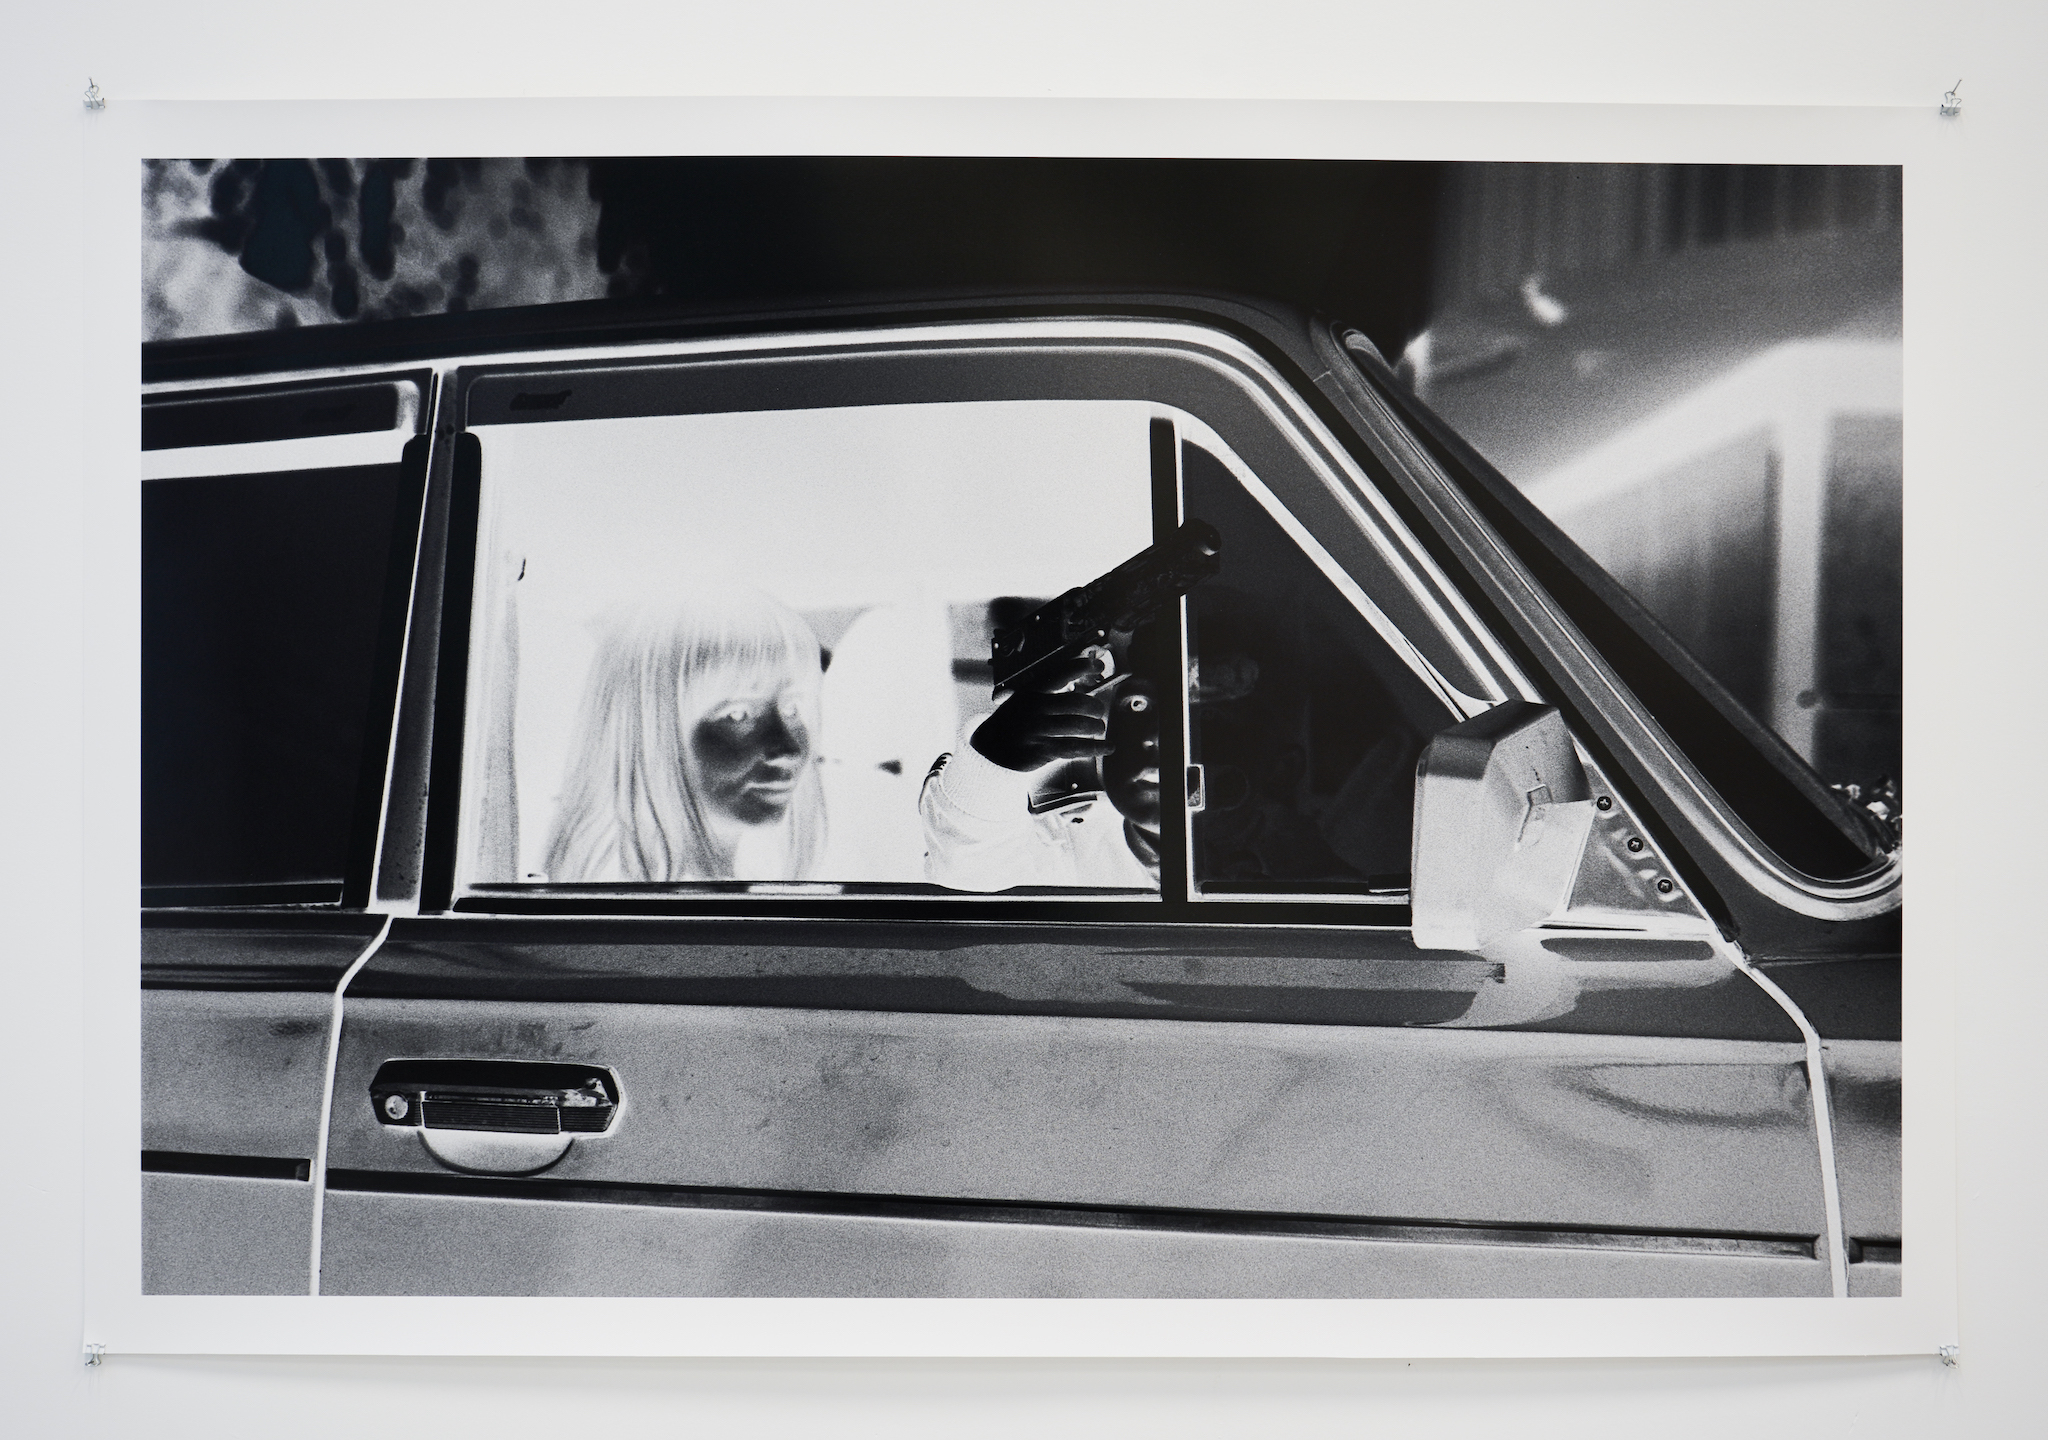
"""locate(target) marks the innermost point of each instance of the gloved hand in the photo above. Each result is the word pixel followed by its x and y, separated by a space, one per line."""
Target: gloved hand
pixel 1050 720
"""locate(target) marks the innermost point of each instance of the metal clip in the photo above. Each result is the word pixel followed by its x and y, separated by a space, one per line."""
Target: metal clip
pixel 95 99
pixel 1952 104
pixel 1948 1355
pixel 94 1354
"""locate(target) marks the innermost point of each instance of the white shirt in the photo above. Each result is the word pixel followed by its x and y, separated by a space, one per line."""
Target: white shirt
pixel 980 834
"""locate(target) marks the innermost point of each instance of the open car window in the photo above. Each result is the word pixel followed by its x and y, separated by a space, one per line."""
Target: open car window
pixel 724 650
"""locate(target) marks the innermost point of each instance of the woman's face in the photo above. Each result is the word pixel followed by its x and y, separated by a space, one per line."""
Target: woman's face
pixel 749 748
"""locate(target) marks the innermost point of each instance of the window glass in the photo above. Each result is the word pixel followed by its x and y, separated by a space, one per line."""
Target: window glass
pixel 1306 723
pixel 1695 372
pixel 267 622
pixel 726 649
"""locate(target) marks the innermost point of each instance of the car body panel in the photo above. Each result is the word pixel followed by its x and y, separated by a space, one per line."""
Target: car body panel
pixel 1876 1280
pixel 233 1074
pixel 235 1016
pixel 1135 967
pixel 1468 1126
pixel 1864 1084
pixel 225 1235
pixel 447 1245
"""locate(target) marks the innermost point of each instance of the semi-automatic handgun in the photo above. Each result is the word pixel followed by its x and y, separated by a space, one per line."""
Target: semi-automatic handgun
pixel 1099 619
pixel 1102 615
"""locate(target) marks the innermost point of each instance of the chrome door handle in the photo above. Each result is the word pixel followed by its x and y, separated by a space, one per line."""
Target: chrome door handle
pixel 510 1097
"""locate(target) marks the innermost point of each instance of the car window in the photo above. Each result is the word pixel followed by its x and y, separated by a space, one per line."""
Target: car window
pixel 1305 721
pixel 725 650
pixel 271 611
pixel 279 525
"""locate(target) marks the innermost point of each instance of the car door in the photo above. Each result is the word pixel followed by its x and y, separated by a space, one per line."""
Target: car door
pixel 279 525
pixel 837 1078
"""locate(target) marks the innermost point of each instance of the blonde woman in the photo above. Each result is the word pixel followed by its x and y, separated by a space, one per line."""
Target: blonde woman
pixel 695 757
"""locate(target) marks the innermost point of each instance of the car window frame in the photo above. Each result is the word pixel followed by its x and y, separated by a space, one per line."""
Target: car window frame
pixel 282 454
pixel 1285 430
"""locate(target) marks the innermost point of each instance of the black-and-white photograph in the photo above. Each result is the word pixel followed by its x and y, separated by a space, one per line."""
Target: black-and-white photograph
pixel 935 727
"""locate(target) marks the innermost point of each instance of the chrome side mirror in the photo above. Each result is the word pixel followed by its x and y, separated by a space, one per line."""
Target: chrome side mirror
pixel 1502 811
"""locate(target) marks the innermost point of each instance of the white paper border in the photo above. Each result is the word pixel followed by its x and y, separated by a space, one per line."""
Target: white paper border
pixel 1938 540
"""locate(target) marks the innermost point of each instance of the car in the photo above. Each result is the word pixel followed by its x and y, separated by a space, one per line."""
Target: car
pixel 1494 948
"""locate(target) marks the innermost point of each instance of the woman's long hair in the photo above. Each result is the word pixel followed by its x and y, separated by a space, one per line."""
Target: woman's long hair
pixel 629 809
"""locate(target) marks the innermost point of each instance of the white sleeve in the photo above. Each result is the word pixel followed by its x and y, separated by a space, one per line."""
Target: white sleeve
pixel 979 832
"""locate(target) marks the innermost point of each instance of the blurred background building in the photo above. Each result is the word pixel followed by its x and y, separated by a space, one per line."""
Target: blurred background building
pixel 1694 369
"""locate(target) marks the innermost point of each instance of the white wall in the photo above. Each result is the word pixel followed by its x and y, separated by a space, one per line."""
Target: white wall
pixel 1973 524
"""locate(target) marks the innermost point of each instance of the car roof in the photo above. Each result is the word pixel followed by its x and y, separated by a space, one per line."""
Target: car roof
pixel 1269 325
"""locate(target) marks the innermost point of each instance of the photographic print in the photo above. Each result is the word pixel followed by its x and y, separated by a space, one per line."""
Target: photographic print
pixel 1014 728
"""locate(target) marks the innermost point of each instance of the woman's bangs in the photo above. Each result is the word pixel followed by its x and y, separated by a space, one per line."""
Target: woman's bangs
pixel 755 643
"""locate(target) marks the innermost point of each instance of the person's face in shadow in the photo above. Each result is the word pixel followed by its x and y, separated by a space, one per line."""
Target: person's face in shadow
pixel 748 749
pixel 1130 772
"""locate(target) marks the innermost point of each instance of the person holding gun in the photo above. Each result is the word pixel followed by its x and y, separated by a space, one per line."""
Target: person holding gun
pixel 1079 681
pixel 980 833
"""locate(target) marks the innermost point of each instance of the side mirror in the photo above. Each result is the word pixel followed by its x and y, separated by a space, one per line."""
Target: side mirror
pixel 1502 812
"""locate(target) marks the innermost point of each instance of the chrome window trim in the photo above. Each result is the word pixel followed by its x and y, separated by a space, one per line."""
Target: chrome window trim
pixel 436 448
pixel 1193 430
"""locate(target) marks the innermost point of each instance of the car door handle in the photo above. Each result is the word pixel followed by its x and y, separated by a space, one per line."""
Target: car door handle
pixel 507 1097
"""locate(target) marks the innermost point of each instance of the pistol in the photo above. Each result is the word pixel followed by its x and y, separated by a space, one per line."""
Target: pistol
pixel 1103 614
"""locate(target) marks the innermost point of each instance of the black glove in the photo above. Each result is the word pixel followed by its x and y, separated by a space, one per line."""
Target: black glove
pixel 1048 721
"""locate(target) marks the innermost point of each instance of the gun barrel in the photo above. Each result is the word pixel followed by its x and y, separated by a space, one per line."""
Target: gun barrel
pixel 1153 576
pixel 1110 606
